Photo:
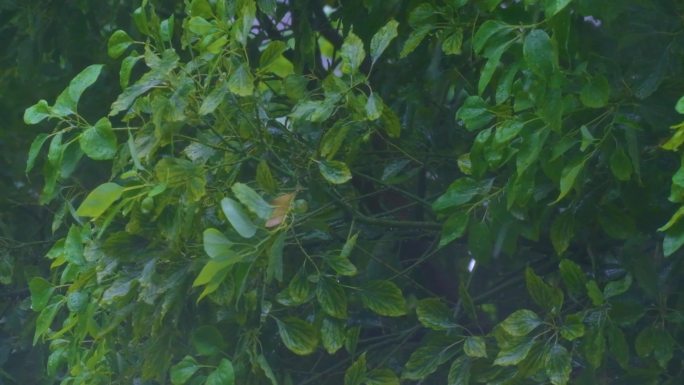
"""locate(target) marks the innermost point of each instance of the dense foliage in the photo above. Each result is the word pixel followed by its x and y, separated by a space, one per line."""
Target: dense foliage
pixel 364 192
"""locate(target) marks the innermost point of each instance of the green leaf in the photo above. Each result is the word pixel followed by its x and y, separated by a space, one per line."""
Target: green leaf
pixel 68 100
pixel 552 7
pixel 212 269
pixel 183 370
pixel 274 268
pixel 596 92
pixel 454 227
pixel 452 44
pixel 514 354
pixel 37 112
pixel 486 31
pixel 299 336
pixel 268 7
pixel 615 288
pixel 460 192
pixel 617 344
pixel 545 295
pixel 99 142
pixel 433 314
pixel 374 107
pixel 241 82
pixel 118 43
pixel 507 131
pixel 663 346
pixel 272 52
pixel 568 177
pixel 207 340
pixel 36 145
pixel 674 239
pixel 332 335
pixel 268 372
pixel 200 26
pixel 558 365
pixel 41 291
pixel 381 377
pixel 572 329
pixel 573 277
pixel 521 322
pixel 540 53
pixel 356 373
pixel 382 39
pixel 425 361
pixel 216 245
pixel 214 99
pixel 474 113
pixel 352 53
pixel 46 316
pixel 201 8
pixel 76 301
pixel 533 142
pixel 334 171
pixel 491 66
pixel 252 200
pixel 459 372
pixel 562 231
pixel 73 246
pixel 645 341
pixel 332 298
pixel 475 346
pixel 223 375
pixel 299 288
pixel 238 218
pixel 621 165
pixel 384 298
pixel 99 200
pixel 126 68
pixel 594 293
pixel 414 39
pixel 166 28
pixel 679 107
pixel 594 346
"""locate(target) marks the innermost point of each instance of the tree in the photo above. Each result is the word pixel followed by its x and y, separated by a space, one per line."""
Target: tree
pixel 363 192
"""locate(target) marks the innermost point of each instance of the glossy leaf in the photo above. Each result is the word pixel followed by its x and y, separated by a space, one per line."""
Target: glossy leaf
pixel 298 336
pixel 216 245
pixel 384 298
pixel 332 298
pixel 540 53
pixel 334 171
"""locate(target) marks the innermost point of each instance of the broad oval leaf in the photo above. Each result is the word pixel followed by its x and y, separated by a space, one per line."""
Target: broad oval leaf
pixel 384 298
pixel 332 298
pixel 238 218
pixel 118 43
pixel 224 374
pixel 216 245
pixel 207 340
pixel 99 142
pixel 558 365
pixel 299 336
pixel 99 200
pixel 252 200
pixel 37 112
pixel 183 370
pixel 334 171
pixel 540 53
pixel 514 354
pixel 332 335
pixel 434 314
pixel 474 346
pixel 352 53
pixel 41 290
pixel 521 322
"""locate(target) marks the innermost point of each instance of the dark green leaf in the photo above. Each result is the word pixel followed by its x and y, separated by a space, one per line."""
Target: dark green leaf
pixel 332 298
pixel 617 344
pixel 474 113
pixel 37 112
pixel 374 107
pixel 433 314
pixel 514 354
pixel 486 31
pixel 474 346
pixel 207 340
pixel 126 68
pixel 459 372
pixel 454 227
pixel 352 53
pixel 552 7
pixel 272 52
pixel 216 245
pixel 425 361
pixel 568 177
pixel 41 290
pixel 545 295
pixel 46 316
pixel 562 231
pixel 266 367
pixel 573 277
pixel 558 365
pixel 615 288
pixel 36 145
pixel 451 45
pixel 332 335
pixel 381 377
pixel 594 344
pixel 68 100
pixel 540 53
pixel 252 200
pixel 384 298
pixel 594 293
pixel 573 328
pixel 595 93
pixel 299 336
pixel 356 373
pixel 214 99
pixel 460 192
pixel 414 39
pixel 275 258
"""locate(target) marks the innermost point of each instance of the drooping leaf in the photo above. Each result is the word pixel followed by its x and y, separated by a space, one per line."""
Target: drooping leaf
pixel 453 43
pixel 298 336
pixel 99 200
pixel 37 113
pixel 568 177
pixel 238 218
pixel 36 145
pixel 67 101
pixel 552 7
pixel 615 288
pixel 414 39
pixel 461 191
pixel 384 298
pixel 558 365
pixel 562 231
pixel 486 31
pixel 573 276
pixel 274 269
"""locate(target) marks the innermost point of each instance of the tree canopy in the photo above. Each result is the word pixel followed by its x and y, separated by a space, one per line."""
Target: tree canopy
pixel 367 192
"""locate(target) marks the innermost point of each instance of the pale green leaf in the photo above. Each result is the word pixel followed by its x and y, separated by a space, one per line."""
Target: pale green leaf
pixel 596 92
pixel 252 200
pixel 36 146
pixel 382 39
pixel 37 112
pixel 568 177
pixel 68 100
pixel 452 44
pixel 459 372
pixel 356 373
pixel 241 82
pixel 381 377
pixel 414 39
pixel 594 293
pixel 99 200
pixel 238 218
pixel 352 53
